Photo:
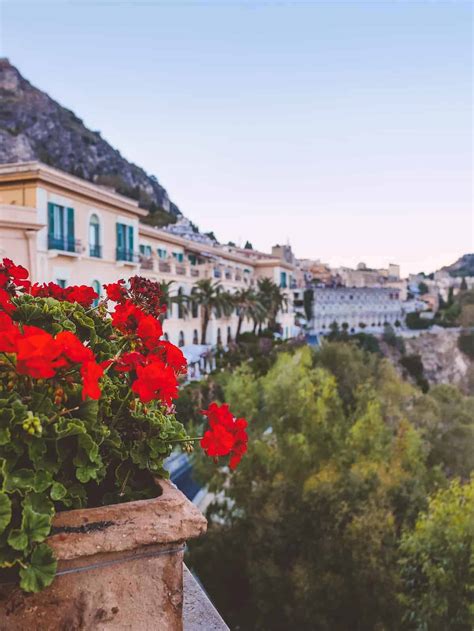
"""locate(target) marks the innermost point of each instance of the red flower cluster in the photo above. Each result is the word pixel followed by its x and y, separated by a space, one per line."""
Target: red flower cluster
pixel 82 294
pixel 226 435
pixel 42 356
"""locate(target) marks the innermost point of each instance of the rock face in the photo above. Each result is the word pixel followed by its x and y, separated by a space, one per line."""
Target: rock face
pixel 443 362
pixel 464 266
pixel 35 127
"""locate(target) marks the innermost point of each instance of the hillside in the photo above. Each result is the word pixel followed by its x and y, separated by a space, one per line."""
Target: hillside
pixel 35 127
pixel 464 266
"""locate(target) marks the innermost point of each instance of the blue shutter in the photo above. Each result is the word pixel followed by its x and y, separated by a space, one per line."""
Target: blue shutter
pixel 70 240
pixel 130 242
pixel 120 243
pixel 50 225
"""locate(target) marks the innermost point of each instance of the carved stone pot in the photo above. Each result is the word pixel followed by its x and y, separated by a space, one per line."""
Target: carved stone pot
pixel 119 567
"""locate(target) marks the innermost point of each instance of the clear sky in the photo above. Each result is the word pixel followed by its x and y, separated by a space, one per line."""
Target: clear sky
pixel 343 127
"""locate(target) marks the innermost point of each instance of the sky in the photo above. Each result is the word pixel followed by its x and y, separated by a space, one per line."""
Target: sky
pixel 343 128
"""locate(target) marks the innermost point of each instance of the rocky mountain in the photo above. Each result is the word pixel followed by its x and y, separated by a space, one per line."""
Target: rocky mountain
pixel 464 266
pixel 35 127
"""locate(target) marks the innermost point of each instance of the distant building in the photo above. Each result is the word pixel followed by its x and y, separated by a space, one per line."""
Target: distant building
pixel 358 308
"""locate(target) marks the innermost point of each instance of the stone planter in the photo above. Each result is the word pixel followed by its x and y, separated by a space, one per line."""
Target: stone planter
pixel 120 567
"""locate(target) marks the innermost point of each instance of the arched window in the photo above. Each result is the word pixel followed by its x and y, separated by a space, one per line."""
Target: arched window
pixel 229 335
pixel 195 337
pixel 181 339
pixel 166 336
pixel 94 237
pixel 194 306
pixel 180 304
pixel 97 287
pixel 219 337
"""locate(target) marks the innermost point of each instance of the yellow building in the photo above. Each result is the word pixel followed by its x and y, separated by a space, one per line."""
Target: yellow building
pixel 70 231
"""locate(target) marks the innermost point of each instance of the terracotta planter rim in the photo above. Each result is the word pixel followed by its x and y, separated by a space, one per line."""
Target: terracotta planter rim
pixel 169 518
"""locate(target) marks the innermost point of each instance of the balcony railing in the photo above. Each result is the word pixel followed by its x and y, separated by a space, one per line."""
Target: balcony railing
pixel 163 266
pixel 65 244
pixel 228 275
pixel 127 255
pixel 238 277
pixel 217 273
pixel 194 272
pixel 146 262
pixel 95 251
pixel 181 270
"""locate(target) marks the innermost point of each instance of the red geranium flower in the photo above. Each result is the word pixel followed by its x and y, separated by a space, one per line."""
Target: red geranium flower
pixel 156 381
pixel 18 273
pixel 5 302
pixel 82 294
pixel 226 435
pixel 37 353
pixel 149 330
pixel 73 348
pixel 9 333
pixel 129 361
pixel 91 372
pixel 126 317
pixel 48 290
pixel 173 356
pixel 116 291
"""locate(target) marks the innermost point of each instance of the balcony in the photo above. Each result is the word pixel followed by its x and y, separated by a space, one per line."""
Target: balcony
pixel 217 273
pixel 146 262
pixel 194 272
pixel 64 244
pixel 238 277
pixel 95 251
pixel 127 256
pixel 228 276
pixel 163 266
pixel 180 269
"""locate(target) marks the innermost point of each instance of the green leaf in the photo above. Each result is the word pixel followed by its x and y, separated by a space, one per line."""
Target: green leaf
pixel 35 525
pixel 42 481
pixel 58 491
pixel 4 436
pixel 83 320
pixel 39 503
pixel 19 480
pixel 18 539
pixel 37 451
pixel 5 511
pixel 41 571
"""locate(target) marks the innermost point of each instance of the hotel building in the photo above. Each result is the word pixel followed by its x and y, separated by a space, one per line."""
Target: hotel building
pixel 71 231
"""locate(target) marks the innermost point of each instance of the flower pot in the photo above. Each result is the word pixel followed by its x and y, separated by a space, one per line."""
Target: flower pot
pixel 119 567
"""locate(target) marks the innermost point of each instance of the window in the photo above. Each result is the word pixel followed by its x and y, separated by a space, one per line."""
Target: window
pixel 145 250
pixel 283 280
pixel 96 286
pixel 124 242
pixel 192 259
pixel 61 228
pixel 94 237
pixel 61 282
pixel 219 337
pixel 194 306
pixel 181 339
pixel 162 254
pixel 180 303
pixel 229 335
pixel 166 336
pixel 195 337
pixel 179 256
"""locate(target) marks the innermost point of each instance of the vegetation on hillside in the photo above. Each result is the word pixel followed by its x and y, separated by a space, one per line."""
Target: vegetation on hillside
pixel 353 509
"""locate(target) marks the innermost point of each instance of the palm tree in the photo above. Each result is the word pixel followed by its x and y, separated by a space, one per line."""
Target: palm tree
pixel 212 300
pixel 248 306
pixel 168 299
pixel 272 298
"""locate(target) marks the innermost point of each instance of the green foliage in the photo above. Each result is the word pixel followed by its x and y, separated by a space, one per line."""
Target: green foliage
pixel 414 367
pixel 343 457
pixel 59 452
pixel 414 321
pixel 437 563
pixel 466 344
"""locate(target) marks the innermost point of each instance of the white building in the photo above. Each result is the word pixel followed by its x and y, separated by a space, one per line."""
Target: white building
pixel 358 308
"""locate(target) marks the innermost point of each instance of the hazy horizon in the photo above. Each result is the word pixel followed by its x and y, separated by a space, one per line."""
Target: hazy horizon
pixel 345 129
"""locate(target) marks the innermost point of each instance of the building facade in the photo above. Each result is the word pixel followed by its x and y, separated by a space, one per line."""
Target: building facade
pixel 355 308
pixel 70 231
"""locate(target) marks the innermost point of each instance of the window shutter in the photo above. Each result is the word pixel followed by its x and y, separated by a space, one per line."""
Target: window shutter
pixel 70 230
pixel 50 223
pixel 130 239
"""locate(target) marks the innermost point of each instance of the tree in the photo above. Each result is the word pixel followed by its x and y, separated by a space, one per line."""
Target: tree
pixel 306 535
pixel 272 299
pixel 248 307
pixel 437 563
pixel 212 300
pixel 248 246
pixel 463 286
pixel 423 288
